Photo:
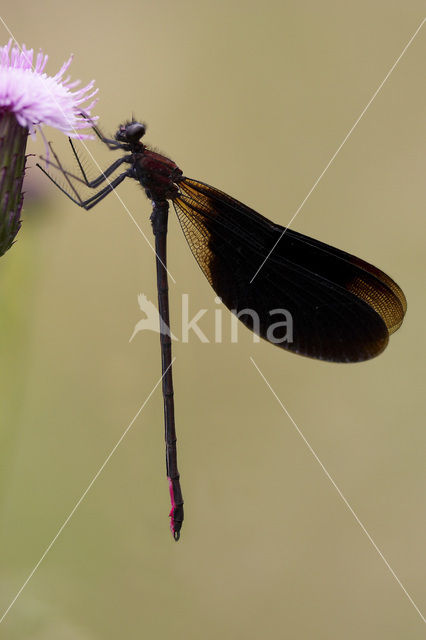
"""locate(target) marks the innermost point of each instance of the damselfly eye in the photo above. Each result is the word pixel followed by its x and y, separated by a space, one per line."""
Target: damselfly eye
pixel 135 131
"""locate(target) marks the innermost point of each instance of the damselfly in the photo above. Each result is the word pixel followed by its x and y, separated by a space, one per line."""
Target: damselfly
pixel 342 308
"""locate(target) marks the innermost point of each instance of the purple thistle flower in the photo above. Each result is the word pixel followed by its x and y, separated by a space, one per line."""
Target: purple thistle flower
pixel 30 98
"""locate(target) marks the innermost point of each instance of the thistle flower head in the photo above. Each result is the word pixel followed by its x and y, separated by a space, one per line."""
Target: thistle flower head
pixel 36 98
pixel 30 98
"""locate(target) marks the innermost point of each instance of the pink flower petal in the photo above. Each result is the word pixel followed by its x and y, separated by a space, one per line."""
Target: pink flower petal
pixel 36 98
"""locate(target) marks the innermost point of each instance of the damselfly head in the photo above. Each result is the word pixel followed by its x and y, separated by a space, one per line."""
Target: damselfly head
pixel 130 132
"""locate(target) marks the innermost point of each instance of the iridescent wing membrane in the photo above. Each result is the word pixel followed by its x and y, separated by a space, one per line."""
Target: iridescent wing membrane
pixel 342 308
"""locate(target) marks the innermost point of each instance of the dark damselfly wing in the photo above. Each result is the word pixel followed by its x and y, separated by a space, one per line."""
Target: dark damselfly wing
pixel 343 309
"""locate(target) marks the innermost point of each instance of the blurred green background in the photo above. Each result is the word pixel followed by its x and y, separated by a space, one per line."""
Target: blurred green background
pixel 253 98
